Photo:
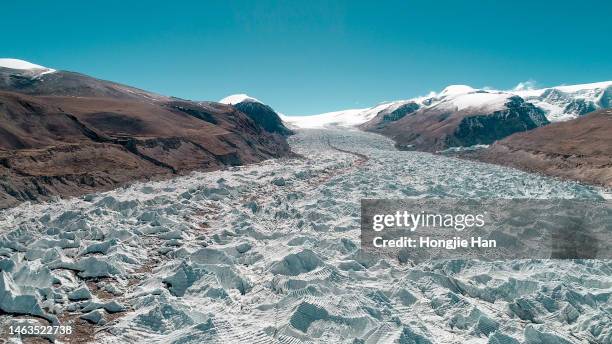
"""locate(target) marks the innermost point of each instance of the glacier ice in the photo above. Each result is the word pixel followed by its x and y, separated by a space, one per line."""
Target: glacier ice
pixel 271 252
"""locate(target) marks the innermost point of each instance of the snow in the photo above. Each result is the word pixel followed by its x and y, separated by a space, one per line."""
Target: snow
pixel 455 97
pixel 555 107
pixel 19 64
pixel 238 98
pixel 454 90
pixel 481 101
pixel 344 118
pixel 527 92
pixel 460 97
pixel 341 119
pixel 584 87
pixel 24 65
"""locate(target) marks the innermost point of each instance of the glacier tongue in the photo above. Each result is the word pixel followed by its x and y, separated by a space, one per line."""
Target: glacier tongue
pixel 239 256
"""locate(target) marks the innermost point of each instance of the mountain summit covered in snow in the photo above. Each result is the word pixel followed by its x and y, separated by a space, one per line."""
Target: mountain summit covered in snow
pixel 559 103
pixel 238 98
pixel 25 67
pixel 461 115
pixel 20 64
pixel 259 112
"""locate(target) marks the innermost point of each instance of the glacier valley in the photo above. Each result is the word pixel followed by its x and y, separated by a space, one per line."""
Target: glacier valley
pixel 270 253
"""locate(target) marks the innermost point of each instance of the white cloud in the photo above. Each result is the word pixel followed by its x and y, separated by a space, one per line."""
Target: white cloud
pixel 525 85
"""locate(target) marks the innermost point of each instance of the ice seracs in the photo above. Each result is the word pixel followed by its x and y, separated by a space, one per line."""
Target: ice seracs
pixel 238 98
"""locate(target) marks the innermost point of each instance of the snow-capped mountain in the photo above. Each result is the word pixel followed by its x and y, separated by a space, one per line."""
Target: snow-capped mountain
pixel 558 103
pixel 343 118
pixel 25 66
pixel 239 98
pixel 32 79
pixel 567 102
pixel 259 112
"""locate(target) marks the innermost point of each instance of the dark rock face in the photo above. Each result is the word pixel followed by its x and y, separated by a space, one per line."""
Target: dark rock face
pixel 486 129
pixel 384 118
pixel 580 107
pixel 436 128
pixel 579 102
pixel 579 149
pixel 400 112
pixel 68 134
pixel 554 96
pixel 264 116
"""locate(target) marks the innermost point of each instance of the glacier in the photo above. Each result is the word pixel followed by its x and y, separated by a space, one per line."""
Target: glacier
pixel 270 253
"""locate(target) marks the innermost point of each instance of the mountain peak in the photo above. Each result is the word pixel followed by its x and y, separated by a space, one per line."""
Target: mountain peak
pixel 20 64
pixel 452 90
pixel 238 98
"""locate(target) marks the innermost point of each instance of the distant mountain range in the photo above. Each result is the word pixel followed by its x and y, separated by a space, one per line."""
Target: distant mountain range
pixel 461 116
pixel 558 103
pixel 464 121
pixel 65 133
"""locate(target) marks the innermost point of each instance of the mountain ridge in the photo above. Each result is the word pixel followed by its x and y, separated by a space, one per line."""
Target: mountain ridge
pixel 67 134
pixel 599 91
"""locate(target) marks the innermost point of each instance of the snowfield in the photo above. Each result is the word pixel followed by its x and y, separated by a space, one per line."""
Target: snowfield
pixel 25 65
pixel 270 253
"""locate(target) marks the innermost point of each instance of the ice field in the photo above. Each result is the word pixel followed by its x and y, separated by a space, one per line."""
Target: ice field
pixel 270 253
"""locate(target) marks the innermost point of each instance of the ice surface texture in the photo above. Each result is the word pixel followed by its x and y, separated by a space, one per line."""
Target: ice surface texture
pixel 270 253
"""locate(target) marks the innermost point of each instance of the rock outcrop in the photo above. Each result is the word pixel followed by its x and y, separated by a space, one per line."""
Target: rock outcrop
pixel 447 125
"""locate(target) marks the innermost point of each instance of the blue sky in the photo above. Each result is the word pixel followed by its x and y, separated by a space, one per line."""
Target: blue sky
pixel 306 57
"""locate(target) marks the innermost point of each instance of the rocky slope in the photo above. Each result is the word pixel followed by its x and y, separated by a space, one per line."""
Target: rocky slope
pixel 579 149
pixel 459 116
pixel 562 103
pixel 259 112
pixel 64 134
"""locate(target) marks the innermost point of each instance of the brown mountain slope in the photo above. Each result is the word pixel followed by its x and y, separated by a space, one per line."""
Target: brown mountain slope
pixel 70 145
pixel 580 149
pixel 65 83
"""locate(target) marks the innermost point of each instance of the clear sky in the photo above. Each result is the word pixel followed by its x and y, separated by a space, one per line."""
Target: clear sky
pixel 306 57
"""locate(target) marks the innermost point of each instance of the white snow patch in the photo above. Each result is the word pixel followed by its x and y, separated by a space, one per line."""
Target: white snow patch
pixel 344 118
pixel 238 98
pixel 23 65
pixel 584 87
pixel 490 101
pixel 526 92
pixel 454 90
